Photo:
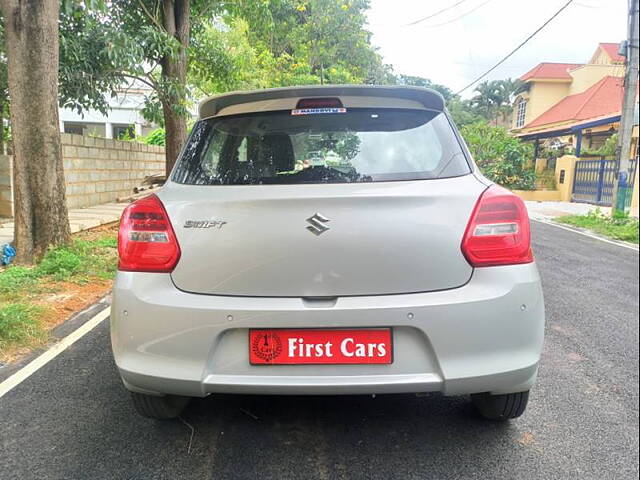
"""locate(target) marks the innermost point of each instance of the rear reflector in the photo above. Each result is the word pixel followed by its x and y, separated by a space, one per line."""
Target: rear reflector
pixel 318 103
pixel 146 241
pixel 498 232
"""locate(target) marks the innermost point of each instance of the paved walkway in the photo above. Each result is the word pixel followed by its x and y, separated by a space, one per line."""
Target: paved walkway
pixel 551 210
pixel 79 219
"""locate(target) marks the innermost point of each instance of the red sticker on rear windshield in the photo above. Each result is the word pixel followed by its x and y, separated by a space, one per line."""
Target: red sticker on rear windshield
pixel 317 111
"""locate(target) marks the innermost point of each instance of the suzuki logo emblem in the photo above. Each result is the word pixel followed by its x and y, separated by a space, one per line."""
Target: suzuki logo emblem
pixel 317 222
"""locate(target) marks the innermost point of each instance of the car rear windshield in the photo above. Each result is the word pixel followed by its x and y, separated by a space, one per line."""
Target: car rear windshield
pixel 357 145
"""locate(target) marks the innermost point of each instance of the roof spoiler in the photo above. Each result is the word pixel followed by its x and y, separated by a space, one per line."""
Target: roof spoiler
pixel 431 99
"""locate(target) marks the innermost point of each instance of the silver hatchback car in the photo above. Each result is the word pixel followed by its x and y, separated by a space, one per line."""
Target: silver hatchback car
pixel 393 266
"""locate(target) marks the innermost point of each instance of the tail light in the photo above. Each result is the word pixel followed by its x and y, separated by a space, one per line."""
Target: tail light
pixel 146 240
pixel 498 232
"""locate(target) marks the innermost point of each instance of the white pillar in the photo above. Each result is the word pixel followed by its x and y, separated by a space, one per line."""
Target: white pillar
pixel 138 128
pixel 108 130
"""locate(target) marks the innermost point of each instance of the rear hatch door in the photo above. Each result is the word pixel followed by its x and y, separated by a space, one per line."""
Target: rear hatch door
pixel 323 203
pixel 329 240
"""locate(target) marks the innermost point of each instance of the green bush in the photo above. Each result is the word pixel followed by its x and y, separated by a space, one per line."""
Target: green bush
pixel 60 263
pixel 500 157
pixel 608 148
pixel 80 259
pixel 156 137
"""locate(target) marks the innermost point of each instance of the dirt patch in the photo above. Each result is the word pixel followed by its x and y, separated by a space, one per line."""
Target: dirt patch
pixel 68 298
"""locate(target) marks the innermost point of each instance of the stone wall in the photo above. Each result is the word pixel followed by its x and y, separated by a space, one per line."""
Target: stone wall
pixel 97 170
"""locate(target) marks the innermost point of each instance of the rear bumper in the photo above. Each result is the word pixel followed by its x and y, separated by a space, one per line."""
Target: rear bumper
pixel 483 337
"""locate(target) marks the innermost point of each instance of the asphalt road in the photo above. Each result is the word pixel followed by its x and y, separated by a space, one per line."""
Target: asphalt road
pixel 73 419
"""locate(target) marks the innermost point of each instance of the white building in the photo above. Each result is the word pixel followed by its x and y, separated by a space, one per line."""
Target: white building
pixel 122 120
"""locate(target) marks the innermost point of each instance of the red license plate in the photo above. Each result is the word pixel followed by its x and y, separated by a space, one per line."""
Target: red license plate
pixel 321 346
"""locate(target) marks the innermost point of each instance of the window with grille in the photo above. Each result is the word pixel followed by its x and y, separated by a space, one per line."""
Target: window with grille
pixel 521 112
pixel 75 128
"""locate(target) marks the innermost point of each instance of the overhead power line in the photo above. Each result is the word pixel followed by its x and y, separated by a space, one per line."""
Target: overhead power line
pixel 588 6
pixel 435 13
pixel 516 49
pixel 461 16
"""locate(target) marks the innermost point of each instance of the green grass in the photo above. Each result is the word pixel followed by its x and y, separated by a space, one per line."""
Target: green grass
pixel 15 279
pixel 20 324
pixel 77 262
pixel 21 287
pixel 620 227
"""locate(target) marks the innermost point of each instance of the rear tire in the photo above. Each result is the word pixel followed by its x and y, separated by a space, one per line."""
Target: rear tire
pixel 501 407
pixel 160 408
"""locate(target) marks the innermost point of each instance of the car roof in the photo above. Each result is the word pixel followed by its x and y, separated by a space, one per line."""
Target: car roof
pixel 284 98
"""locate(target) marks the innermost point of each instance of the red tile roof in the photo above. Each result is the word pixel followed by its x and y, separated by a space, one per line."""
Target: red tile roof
pixel 550 71
pixel 602 98
pixel 611 49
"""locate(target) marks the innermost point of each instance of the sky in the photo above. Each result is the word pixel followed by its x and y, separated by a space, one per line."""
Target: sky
pixel 456 46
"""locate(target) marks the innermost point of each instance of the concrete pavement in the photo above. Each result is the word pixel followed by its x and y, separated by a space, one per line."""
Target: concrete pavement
pixel 551 210
pixel 79 219
pixel 73 419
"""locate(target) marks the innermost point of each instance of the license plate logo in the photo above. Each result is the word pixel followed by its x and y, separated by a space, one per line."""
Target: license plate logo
pixel 321 346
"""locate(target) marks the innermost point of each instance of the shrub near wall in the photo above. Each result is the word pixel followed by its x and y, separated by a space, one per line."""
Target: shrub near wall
pixel 99 170
pixel 500 157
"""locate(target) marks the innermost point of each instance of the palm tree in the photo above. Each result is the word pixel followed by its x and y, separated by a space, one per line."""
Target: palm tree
pixel 488 99
pixel 509 89
pixel 494 100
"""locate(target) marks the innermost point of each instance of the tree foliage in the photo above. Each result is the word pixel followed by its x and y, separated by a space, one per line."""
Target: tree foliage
pixel 285 42
pixel 94 58
pixel 463 112
pixel 494 99
pixel 446 92
pixel 221 58
pixel 500 157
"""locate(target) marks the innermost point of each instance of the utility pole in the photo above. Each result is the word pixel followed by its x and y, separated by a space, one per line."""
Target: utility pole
pixel 622 186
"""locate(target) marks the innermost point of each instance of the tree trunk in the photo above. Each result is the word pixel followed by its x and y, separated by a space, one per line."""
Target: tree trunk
pixel 174 72
pixel 176 132
pixel 41 219
pixel 2 149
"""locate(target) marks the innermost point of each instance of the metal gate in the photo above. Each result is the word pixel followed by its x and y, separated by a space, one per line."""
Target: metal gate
pixel 593 181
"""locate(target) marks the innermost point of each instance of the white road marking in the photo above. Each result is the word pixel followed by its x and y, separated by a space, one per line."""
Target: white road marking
pixel 33 366
pixel 586 234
